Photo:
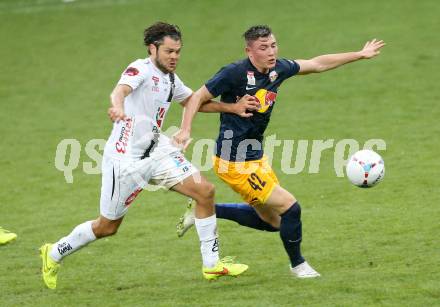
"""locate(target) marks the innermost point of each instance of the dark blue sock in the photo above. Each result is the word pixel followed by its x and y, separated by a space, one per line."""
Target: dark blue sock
pixel 244 215
pixel 291 233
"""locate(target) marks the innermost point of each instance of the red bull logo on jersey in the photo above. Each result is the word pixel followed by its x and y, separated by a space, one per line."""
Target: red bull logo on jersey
pixel 265 98
pixel 121 144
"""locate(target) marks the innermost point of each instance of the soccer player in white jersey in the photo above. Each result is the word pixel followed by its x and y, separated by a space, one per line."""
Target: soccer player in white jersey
pixel 137 154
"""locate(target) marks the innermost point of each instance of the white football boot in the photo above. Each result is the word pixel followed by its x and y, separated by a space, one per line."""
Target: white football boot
pixel 304 270
pixel 186 221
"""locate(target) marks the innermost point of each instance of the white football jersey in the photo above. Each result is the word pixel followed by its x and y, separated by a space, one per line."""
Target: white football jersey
pixel 145 109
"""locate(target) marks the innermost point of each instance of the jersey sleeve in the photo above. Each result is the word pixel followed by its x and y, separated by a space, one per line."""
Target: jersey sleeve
pixel 221 82
pixel 291 67
pixel 134 75
pixel 181 91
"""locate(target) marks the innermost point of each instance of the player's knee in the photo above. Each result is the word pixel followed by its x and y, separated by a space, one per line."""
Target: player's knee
pixel 292 199
pixel 296 208
pixel 110 231
pixel 288 200
pixel 207 191
pixel 106 232
pixel 210 190
pixel 294 211
pixel 275 223
pixel 102 230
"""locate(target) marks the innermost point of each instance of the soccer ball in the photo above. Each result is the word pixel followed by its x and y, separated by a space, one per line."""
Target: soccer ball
pixel 365 168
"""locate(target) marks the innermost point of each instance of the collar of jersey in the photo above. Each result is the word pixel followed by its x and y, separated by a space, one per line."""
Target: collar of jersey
pixel 257 71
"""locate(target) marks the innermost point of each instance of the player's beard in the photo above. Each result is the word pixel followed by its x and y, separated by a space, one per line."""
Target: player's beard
pixel 159 64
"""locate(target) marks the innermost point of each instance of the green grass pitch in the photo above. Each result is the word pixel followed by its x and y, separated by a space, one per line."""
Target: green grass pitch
pixel 374 247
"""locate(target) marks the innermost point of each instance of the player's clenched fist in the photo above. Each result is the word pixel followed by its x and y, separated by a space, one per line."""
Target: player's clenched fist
pixel 116 114
pixel 181 139
pixel 246 105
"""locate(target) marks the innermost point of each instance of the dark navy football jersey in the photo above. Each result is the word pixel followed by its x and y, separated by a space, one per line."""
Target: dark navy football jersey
pixel 240 139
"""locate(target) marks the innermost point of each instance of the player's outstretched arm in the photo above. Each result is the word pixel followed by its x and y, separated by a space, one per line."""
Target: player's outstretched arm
pixel 330 61
pixel 117 97
pixel 243 107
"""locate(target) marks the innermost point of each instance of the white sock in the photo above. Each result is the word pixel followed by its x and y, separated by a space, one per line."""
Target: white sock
pixel 79 237
pixel 207 230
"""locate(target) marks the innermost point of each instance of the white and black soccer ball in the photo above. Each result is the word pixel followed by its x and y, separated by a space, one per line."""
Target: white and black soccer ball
pixel 365 168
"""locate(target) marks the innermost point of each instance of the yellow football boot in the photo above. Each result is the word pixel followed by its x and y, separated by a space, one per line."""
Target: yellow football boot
pixel 50 267
pixel 224 267
pixel 6 236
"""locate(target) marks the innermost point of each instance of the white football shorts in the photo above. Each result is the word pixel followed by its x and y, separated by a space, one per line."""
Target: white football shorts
pixel 122 180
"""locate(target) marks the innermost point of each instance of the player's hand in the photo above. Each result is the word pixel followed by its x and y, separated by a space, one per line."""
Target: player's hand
pixel 372 48
pixel 245 105
pixel 181 139
pixel 116 114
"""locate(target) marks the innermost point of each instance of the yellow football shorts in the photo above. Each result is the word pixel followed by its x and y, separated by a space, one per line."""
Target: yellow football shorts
pixel 253 180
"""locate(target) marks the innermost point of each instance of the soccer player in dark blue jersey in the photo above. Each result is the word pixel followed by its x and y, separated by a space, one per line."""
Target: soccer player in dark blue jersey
pixel 239 159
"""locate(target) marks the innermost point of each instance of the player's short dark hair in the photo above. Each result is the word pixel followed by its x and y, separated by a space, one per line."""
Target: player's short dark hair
pixel 156 33
pixel 255 32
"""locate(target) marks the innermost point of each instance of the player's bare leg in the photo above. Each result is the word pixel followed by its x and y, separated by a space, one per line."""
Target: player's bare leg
pixel 285 205
pixel 269 215
pixel 81 235
pixel 104 227
pixel 260 218
pixel 279 201
pixel 84 234
pixel 202 191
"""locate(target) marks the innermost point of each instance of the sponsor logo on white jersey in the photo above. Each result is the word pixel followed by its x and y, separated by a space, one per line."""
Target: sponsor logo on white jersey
pixel 155 87
pixel 160 115
pixel 131 71
pixel 124 136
